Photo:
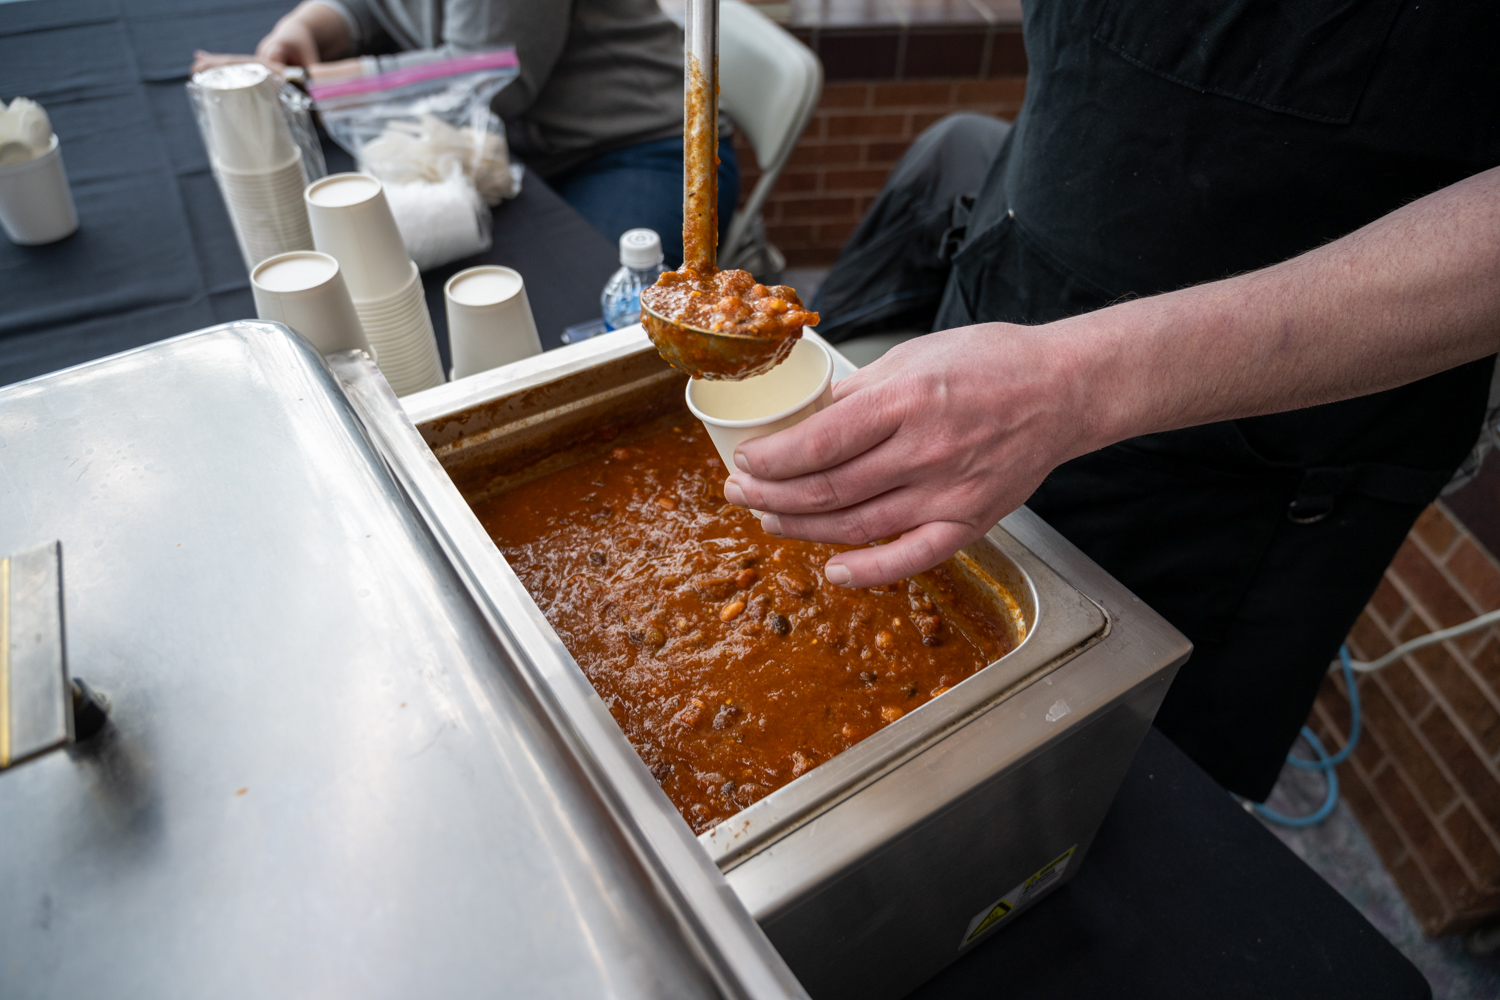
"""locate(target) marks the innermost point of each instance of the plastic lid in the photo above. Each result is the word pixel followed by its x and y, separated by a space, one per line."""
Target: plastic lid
pixel 640 248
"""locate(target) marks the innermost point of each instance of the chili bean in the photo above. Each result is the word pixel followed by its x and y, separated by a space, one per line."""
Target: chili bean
pixel 666 503
pixel 731 611
pixel 891 713
pixel 745 578
pixel 655 637
pixel 780 625
pixel 596 557
pixel 884 641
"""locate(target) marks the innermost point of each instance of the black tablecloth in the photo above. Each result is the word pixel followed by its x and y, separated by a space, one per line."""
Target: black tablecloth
pixel 1182 894
pixel 155 255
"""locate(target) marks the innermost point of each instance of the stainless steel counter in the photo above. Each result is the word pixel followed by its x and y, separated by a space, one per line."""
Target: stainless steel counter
pixel 328 772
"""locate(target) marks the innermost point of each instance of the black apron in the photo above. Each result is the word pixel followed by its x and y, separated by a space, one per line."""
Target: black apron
pixel 1167 143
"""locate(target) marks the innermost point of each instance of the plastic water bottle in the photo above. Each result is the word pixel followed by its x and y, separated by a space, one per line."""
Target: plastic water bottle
pixel 640 266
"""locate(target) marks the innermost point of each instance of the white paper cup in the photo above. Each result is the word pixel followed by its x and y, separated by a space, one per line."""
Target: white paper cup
pixel 266 208
pixel 247 129
pixel 735 412
pixel 305 291
pixel 35 204
pixel 399 328
pixel 352 221
pixel 489 320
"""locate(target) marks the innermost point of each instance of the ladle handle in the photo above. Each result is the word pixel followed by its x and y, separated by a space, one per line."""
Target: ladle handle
pixel 700 137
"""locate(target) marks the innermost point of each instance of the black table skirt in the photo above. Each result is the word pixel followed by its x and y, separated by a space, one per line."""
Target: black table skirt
pixel 1182 895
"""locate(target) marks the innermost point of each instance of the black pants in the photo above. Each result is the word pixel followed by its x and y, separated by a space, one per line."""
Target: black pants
pixel 1261 540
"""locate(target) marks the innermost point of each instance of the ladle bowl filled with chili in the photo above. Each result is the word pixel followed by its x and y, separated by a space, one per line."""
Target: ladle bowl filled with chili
pixel 722 324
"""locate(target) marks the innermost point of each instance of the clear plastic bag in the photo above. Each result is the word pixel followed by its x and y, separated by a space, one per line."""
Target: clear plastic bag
pixel 264 152
pixel 421 122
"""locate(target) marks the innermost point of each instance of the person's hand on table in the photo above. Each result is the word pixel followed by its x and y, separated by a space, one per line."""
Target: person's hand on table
pixel 312 33
pixel 934 442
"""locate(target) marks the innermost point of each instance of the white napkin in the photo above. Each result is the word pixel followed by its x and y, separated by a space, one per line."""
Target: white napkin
pixel 25 131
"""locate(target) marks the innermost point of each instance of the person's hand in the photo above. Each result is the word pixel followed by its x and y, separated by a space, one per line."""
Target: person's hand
pixel 934 442
pixel 211 60
pixel 290 43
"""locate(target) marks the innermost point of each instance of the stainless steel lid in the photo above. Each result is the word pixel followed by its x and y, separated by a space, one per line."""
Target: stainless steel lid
pixel 323 775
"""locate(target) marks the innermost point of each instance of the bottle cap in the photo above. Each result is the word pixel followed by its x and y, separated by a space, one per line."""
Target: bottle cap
pixel 640 248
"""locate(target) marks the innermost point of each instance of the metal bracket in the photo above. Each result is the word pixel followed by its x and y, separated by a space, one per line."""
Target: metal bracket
pixel 36 697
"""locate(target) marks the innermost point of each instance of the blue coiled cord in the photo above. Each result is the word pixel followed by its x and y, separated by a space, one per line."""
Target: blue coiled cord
pixel 1324 762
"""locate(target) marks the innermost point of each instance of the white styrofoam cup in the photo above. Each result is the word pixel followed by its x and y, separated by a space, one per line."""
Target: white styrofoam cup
pixel 35 204
pixel 305 290
pixel 735 412
pixel 489 319
pixel 352 220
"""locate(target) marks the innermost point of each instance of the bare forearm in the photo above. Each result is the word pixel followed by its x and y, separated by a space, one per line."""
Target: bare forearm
pixel 1414 293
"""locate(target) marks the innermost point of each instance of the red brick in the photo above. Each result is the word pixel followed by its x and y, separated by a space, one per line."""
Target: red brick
pixel 835 233
pixel 1367 641
pixel 1425 903
pixel 904 95
pixel 1477 847
pixel 999 90
pixel 1474 778
pixel 1447 871
pixel 812 209
pixel 1401 804
pixel 827 154
pixel 812 257
pixel 1486 662
pixel 845 95
pixel 787 236
pixel 1476 574
pixel 1430 588
pixel 800 181
pixel 1388 842
pixel 885 152
pixel 1407 688
pixel 1404 749
pixel 1467 702
pixel 854 180
pixel 1370 755
pixel 871 124
pixel 1388 602
pixel 921 121
pixel 1436 529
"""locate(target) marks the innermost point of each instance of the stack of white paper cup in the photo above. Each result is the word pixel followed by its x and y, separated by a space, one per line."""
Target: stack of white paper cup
pixel 735 412
pixel 352 222
pixel 489 319
pixel 258 165
pixel 305 290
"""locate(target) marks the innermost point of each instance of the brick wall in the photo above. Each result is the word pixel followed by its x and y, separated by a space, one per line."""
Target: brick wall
pixel 1425 780
pixel 857 134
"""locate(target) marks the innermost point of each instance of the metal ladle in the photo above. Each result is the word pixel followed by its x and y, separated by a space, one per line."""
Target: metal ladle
pixel 705 353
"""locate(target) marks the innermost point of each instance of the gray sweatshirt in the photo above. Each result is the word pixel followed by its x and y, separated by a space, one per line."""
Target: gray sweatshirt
pixel 595 74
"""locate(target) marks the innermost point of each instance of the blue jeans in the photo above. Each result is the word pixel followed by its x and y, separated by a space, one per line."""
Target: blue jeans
pixel 641 186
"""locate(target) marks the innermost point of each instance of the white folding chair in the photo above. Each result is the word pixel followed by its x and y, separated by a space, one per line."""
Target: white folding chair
pixel 769 84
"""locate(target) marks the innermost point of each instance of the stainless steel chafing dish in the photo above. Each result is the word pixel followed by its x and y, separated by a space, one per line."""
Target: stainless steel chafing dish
pixel 880 866
pixel 347 752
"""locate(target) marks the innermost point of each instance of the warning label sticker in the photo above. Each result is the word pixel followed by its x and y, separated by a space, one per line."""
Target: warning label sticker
pixel 1044 879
